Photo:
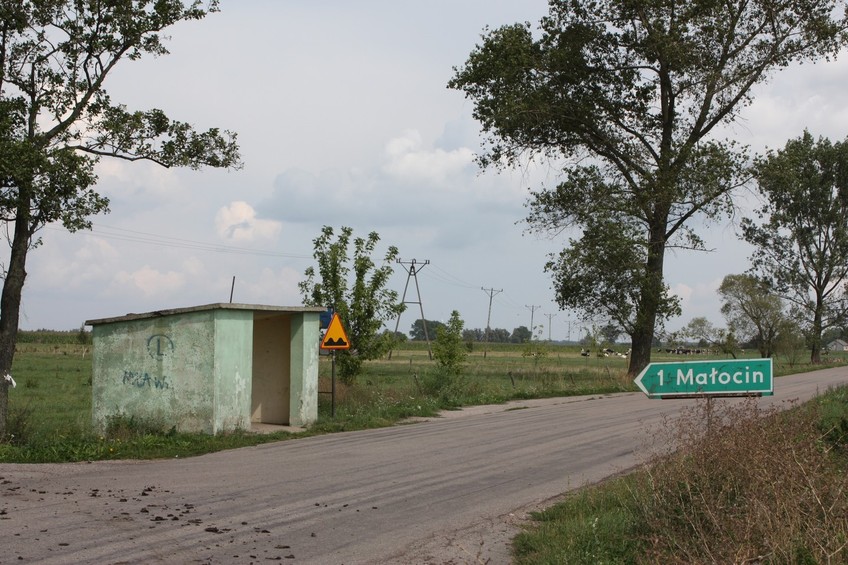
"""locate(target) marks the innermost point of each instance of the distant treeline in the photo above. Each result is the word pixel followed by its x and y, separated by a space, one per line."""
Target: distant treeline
pixel 80 336
pixel 521 334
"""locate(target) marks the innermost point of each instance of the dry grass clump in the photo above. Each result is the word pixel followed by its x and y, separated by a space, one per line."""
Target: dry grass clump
pixel 741 484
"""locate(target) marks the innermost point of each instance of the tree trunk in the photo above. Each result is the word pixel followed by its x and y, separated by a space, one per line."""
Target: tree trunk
pixel 640 350
pixel 649 299
pixel 816 332
pixel 10 308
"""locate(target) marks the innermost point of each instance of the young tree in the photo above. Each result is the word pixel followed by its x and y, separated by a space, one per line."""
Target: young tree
pixel 610 333
pixel 791 342
pixel 705 332
pixel 448 350
pixel 801 248
pixel 57 120
pixel 637 88
pixel 752 312
pixel 364 306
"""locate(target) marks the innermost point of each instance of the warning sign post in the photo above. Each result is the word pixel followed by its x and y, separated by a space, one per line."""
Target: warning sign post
pixel 335 338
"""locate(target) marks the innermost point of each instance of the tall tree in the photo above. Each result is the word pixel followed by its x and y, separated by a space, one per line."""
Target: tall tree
pixel 628 92
pixel 801 248
pixel 57 120
pixel 752 311
pixel 472 335
pixel 521 334
pixel 360 298
pixel 707 335
pixel 417 332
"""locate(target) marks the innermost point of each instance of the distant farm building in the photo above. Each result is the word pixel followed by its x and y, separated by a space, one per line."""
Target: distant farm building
pixel 838 345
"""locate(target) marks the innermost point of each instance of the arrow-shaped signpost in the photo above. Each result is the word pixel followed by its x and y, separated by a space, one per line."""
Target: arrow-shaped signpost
pixel 722 377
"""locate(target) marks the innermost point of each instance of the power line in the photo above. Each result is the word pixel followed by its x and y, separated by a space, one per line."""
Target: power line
pixel 512 303
pixel 448 278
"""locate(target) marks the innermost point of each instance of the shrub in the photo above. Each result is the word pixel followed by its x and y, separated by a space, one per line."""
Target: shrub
pixel 446 381
pixel 448 350
pixel 738 483
pixel 18 426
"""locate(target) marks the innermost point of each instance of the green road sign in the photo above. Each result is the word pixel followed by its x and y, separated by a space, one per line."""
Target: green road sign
pixel 729 377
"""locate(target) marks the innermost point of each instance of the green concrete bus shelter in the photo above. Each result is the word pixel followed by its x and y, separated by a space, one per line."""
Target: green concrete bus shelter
pixel 211 368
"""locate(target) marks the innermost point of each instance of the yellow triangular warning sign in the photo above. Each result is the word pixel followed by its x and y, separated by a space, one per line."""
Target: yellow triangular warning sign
pixel 335 337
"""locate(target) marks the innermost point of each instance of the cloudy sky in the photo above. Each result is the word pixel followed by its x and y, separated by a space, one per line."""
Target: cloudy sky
pixel 344 119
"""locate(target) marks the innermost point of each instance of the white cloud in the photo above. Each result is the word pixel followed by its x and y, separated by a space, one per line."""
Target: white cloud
pixel 238 222
pixel 699 300
pixel 149 281
pixel 407 160
pixel 277 287
pixel 146 184
pixel 59 267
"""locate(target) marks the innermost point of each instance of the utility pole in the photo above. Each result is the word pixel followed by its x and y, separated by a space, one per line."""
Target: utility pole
pixel 532 311
pixel 491 292
pixel 412 273
pixel 549 324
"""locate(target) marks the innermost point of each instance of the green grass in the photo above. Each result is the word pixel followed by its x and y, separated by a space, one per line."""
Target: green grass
pixel 593 526
pixel 50 410
pixel 764 487
pixel 53 381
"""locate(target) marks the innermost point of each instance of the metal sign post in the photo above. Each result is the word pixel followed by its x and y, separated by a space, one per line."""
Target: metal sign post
pixel 333 388
pixel 334 339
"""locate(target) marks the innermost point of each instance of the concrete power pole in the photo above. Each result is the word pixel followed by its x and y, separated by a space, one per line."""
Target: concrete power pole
pixel 491 292
pixel 532 311
pixel 550 324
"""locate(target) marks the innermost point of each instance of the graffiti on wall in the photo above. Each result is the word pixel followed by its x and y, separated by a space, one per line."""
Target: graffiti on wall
pixel 159 346
pixel 145 380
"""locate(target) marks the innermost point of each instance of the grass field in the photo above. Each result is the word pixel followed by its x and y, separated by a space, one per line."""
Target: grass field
pixel 51 407
pixel 647 517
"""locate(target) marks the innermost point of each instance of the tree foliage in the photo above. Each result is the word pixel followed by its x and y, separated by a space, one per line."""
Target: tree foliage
pixel 418 331
pixel 628 93
pixel 355 287
pixel 610 333
pixel 753 313
pixel 495 335
pixel 471 335
pixel 801 246
pixel 448 350
pixel 706 334
pixel 57 120
pixel 521 334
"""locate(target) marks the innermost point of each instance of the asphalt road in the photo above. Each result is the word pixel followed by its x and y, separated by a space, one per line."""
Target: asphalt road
pixel 448 490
